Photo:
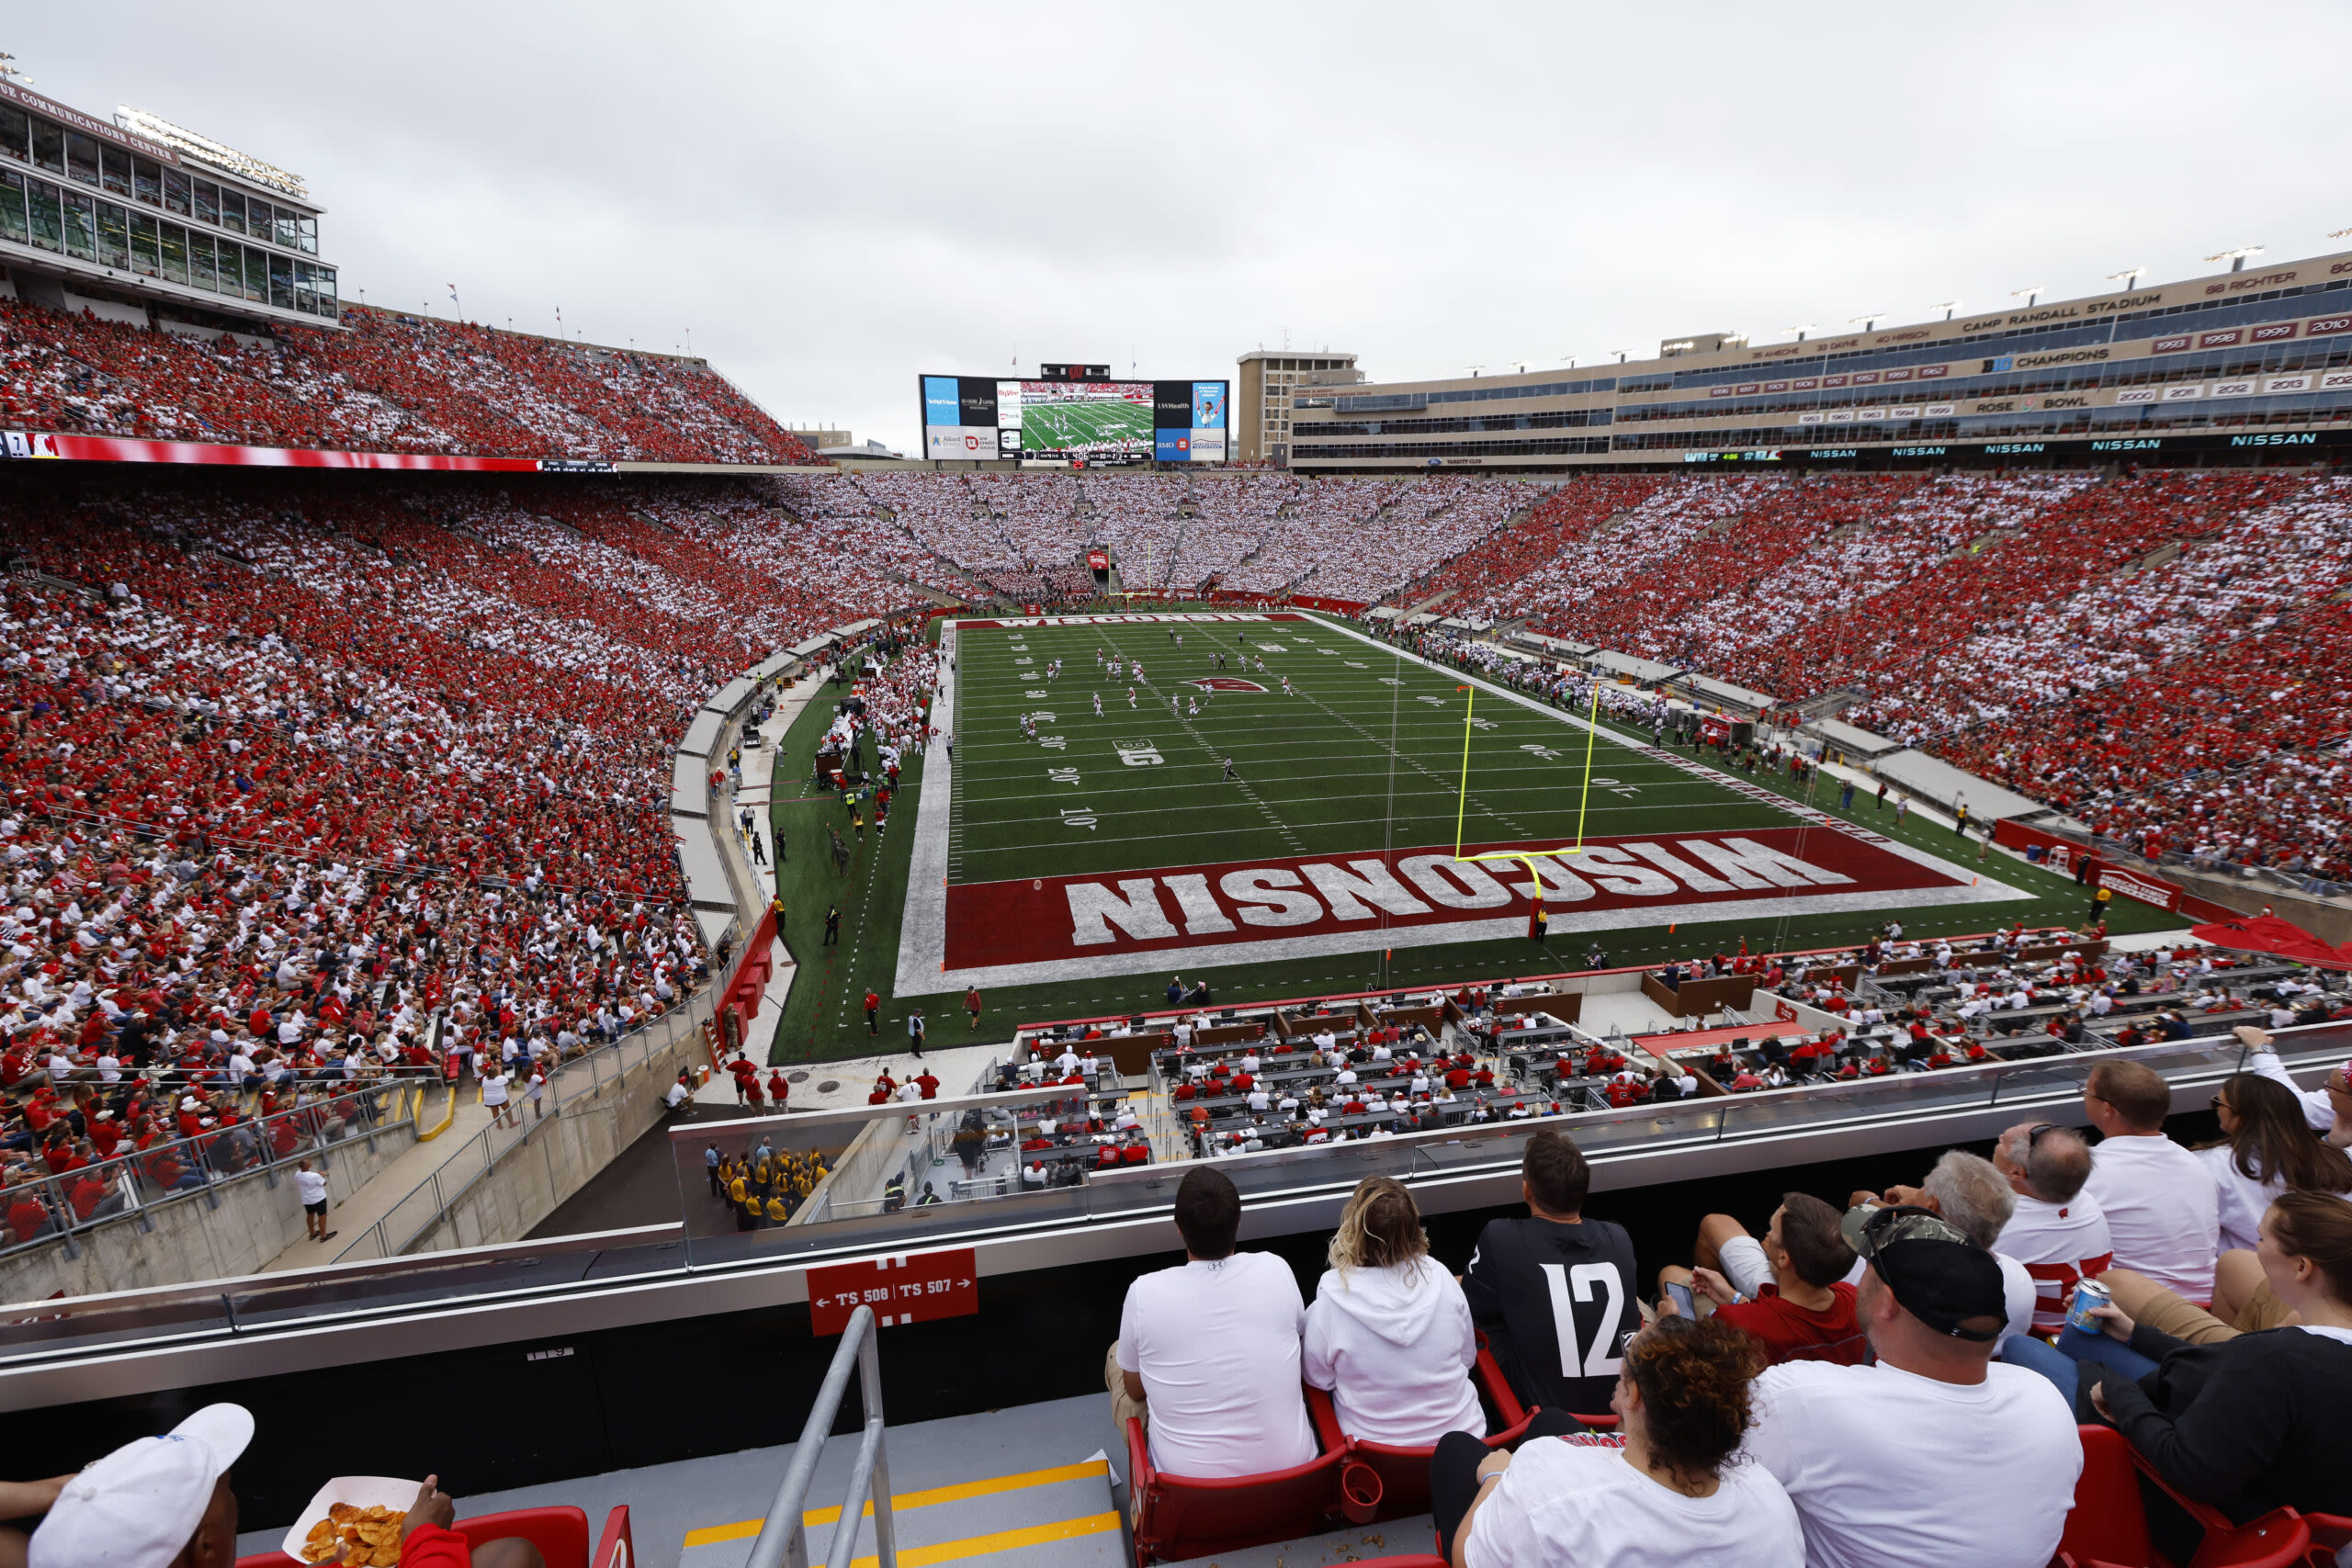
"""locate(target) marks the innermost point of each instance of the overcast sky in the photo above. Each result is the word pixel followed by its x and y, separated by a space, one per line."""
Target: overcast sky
pixel 835 200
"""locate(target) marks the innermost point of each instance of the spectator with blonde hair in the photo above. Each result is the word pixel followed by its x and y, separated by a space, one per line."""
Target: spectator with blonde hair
pixel 1389 1332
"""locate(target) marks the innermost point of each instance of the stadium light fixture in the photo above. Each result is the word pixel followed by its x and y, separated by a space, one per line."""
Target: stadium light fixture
pixel 1800 329
pixel 2236 259
pixel 8 72
pixel 1946 306
pixel 1474 370
pixel 1867 319
pixel 2339 233
pixel 2028 293
pixel 156 128
pixel 1621 354
pixel 2128 276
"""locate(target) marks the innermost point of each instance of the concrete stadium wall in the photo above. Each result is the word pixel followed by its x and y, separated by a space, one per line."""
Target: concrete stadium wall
pixel 880 1147
pixel 193 1240
pixel 561 1154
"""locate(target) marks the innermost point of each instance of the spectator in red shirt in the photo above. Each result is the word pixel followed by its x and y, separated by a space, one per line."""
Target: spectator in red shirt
pixel 1805 1311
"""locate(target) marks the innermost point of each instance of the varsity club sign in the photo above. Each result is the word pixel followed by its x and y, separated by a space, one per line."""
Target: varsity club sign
pixel 1244 911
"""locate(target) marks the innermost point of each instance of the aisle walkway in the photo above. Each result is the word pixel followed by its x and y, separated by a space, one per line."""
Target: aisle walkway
pixel 349 1213
pixel 759 767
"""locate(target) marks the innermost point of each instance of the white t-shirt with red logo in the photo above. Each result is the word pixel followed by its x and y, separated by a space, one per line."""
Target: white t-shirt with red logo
pixel 2061 1245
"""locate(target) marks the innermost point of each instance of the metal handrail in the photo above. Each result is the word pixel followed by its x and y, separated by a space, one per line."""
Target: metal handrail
pixel 697 1009
pixel 784 1537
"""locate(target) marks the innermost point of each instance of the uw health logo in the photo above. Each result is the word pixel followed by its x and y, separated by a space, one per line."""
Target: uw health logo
pixel 1224 683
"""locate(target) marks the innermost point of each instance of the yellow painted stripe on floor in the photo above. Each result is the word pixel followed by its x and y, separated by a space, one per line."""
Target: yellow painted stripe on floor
pixel 744 1530
pixel 1002 1540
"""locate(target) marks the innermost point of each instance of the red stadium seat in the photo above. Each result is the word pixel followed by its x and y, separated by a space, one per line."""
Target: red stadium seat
pixel 560 1533
pixel 2108 1526
pixel 1178 1517
pixel 617 1547
pixel 1385 1481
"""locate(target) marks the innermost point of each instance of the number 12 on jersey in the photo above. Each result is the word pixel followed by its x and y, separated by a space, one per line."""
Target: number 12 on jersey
pixel 1598 1360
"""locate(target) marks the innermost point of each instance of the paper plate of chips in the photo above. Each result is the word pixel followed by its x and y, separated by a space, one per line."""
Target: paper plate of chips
pixel 358 1516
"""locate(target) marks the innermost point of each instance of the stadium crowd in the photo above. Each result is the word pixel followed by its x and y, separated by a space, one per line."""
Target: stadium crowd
pixel 292 768
pixel 385 382
pixel 2161 654
pixel 1754 1404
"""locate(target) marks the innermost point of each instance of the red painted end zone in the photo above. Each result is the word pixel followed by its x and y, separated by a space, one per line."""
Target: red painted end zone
pixel 1027 920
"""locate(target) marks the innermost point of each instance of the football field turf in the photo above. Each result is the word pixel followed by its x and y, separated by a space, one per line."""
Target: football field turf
pixel 1072 873
pixel 1055 426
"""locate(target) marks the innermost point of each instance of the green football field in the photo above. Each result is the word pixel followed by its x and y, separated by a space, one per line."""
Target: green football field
pixel 1365 755
pixel 1066 426
pixel 1355 770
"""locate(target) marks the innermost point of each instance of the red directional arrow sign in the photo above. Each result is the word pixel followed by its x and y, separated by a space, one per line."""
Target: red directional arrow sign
pixel 905 1287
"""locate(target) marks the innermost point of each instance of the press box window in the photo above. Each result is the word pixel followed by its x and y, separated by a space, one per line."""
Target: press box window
pixel 80 217
pixel 48 146
pixel 48 225
pixel 114 236
pixel 82 158
pixel 143 245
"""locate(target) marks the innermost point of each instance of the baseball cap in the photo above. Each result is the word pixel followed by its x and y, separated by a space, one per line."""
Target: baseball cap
pixel 138 1506
pixel 1938 1275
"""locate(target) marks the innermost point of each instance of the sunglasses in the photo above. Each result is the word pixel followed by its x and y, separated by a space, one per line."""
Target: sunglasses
pixel 2033 1134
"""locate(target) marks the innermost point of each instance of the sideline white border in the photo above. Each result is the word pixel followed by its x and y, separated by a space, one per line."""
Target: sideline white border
pixel 923 932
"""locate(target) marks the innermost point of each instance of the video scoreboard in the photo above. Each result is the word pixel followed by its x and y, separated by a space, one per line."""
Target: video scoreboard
pixel 1076 412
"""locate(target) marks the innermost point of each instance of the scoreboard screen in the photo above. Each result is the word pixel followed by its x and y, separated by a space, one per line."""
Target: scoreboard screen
pixel 1098 420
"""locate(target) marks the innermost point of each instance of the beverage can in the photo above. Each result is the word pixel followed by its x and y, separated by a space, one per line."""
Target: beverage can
pixel 2088 1294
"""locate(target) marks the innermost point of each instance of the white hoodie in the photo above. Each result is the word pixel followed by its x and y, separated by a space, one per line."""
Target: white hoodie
pixel 1395 1346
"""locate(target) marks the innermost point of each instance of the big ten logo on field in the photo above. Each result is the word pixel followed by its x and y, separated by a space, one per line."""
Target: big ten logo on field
pixel 1140 753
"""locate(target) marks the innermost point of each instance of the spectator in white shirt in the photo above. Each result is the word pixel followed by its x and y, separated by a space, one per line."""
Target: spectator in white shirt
pixel 494 1098
pixel 1999 1440
pixel 2162 1212
pixel 2266 1148
pixel 310 1190
pixel 1970 1194
pixel 2057 1230
pixel 2327 1108
pixel 1674 1493
pixel 1389 1333
pixel 1208 1352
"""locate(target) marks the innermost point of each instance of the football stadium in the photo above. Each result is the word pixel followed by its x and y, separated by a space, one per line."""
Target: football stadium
pixel 538 887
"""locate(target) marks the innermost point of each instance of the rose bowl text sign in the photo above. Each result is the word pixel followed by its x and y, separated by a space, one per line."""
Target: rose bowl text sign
pixel 905 1287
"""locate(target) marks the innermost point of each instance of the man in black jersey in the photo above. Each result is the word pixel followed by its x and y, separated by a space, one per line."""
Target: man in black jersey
pixel 1553 1293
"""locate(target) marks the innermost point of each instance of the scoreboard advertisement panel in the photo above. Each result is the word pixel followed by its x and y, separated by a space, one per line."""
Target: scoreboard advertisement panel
pixel 975 417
